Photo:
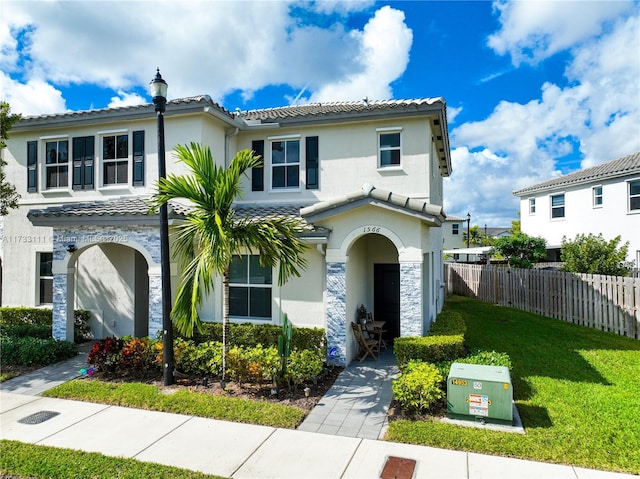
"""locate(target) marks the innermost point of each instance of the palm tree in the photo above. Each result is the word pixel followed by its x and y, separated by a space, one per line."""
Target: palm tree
pixel 213 233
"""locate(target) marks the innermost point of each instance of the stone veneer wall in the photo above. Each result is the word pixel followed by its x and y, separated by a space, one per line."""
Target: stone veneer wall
pixel 410 299
pixel 146 237
pixel 337 313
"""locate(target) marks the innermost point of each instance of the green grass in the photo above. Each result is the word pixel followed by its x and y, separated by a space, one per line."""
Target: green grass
pixel 28 460
pixel 577 390
pixel 145 396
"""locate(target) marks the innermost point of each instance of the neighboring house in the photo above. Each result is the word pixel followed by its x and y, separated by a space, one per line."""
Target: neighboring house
pixel 366 177
pixel 454 233
pixel 602 199
pixel 497 233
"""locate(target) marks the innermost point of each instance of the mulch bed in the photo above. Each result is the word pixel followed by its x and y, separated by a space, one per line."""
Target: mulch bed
pixel 435 413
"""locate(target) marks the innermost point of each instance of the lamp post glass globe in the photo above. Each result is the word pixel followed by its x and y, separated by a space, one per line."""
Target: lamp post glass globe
pixel 158 87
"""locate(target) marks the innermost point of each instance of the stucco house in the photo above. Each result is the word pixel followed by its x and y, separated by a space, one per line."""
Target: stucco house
pixel 366 176
pixel 602 199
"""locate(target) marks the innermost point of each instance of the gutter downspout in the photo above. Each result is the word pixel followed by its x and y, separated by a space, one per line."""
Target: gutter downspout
pixel 226 146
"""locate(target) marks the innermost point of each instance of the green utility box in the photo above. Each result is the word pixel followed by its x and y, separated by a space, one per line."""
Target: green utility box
pixel 480 393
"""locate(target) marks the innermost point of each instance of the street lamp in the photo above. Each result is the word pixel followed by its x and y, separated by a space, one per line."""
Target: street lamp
pixel 158 89
pixel 468 229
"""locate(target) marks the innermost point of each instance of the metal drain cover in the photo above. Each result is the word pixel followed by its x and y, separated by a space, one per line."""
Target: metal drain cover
pixel 38 417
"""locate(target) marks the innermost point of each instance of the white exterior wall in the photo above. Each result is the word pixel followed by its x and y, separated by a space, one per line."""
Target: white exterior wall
pixel 581 217
pixel 451 241
pixel 348 158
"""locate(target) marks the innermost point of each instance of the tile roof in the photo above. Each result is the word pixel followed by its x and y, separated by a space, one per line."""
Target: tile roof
pixel 339 108
pixel 372 195
pixel 626 165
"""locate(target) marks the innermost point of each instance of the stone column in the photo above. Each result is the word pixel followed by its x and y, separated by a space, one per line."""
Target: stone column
pixel 63 299
pixel 411 299
pixel 337 313
pixel 155 301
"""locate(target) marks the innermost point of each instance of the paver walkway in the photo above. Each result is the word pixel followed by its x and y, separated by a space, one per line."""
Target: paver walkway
pixel 357 403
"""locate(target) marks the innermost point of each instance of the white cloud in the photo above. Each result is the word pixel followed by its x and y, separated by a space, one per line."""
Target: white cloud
pixel 384 54
pixel 203 47
pixel 534 30
pixel 32 98
pixel 126 99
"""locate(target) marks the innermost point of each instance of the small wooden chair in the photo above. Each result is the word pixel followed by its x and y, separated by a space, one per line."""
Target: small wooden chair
pixel 366 346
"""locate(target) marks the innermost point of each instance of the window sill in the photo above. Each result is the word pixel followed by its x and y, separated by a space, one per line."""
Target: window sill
pixel 390 169
pixel 250 319
pixel 286 190
pixel 56 192
pixel 115 188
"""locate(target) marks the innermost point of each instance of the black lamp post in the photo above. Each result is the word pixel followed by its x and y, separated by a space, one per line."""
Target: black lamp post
pixel 468 229
pixel 158 88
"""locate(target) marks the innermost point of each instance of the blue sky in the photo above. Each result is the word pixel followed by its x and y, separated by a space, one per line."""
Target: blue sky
pixel 534 88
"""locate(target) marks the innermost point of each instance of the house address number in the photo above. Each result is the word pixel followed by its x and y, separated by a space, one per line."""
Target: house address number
pixel 371 229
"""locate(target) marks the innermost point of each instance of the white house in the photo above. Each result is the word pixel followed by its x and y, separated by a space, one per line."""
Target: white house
pixel 602 199
pixel 366 176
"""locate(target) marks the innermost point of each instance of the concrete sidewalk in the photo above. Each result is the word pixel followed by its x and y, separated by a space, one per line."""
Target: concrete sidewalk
pixel 247 451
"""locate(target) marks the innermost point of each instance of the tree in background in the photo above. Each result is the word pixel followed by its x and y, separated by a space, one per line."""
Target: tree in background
pixel 8 195
pixel 594 255
pixel 521 250
pixel 515 227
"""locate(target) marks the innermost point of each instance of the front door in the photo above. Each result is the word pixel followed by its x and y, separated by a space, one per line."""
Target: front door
pixel 386 297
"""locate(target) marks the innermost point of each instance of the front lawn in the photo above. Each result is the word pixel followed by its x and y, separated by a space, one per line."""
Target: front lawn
pixel 31 461
pixel 181 401
pixel 576 390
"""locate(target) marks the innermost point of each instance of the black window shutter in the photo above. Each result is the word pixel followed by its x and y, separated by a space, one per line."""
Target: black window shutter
pixel 32 166
pixel 138 158
pixel 83 152
pixel 311 153
pixel 257 174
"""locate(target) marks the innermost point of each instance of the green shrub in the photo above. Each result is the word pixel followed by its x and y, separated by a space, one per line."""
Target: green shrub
pixel 28 351
pixel 448 323
pixel 430 349
pixel 418 386
pixel 303 366
pixel 253 364
pixel 14 316
pixel 488 358
pixel 41 331
pixel 204 359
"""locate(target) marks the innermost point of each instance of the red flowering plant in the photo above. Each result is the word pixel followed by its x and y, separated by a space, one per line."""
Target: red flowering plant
pixel 139 354
pixel 105 354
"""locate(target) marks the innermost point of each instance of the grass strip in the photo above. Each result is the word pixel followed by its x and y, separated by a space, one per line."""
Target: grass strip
pixel 146 396
pixel 576 390
pixel 28 460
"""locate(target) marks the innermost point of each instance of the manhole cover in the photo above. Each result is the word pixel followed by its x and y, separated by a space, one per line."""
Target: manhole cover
pixel 398 468
pixel 38 417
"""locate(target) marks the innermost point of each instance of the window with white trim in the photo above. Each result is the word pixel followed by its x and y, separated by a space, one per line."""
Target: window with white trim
pixel 532 206
pixel 57 163
pixel 249 288
pixel 557 206
pixel 389 148
pixel 115 159
pixel 596 194
pixel 634 195
pixel 45 278
pixel 285 163
pixel 455 228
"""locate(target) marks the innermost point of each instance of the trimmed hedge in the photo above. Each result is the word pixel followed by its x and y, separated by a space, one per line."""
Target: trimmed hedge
pixel 431 349
pixel 20 316
pixel 448 323
pixel 251 335
pixel 34 351
pixel 42 331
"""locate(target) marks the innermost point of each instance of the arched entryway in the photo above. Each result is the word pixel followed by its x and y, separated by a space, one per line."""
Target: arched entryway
pixel 112 281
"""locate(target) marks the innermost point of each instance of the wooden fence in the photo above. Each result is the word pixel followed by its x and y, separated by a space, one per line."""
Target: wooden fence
pixel 608 303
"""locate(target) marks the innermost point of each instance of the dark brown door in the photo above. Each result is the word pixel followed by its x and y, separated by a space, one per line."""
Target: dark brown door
pixel 386 297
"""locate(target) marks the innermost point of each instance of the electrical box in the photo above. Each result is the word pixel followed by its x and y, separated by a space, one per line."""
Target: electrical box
pixel 480 393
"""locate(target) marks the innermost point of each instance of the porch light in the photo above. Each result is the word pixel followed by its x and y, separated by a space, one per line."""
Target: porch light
pixel 158 89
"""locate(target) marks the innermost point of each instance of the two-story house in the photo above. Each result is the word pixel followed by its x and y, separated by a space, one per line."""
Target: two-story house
pixel 366 176
pixel 602 199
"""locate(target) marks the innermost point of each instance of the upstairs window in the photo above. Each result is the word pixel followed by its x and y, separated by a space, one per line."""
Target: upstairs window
pixel 57 163
pixel 249 288
pixel 115 159
pixel 557 206
pixel 634 195
pixel 285 164
pixel 532 206
pixel 32 166
pixel 388 148
pixel 455 229
pixel 597 196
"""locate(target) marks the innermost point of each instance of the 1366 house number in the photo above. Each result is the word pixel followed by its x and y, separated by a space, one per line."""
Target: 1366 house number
pixel 371 229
